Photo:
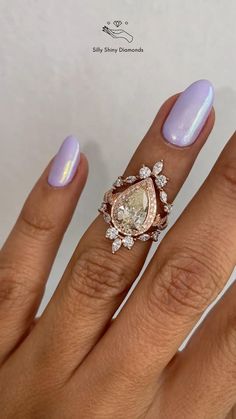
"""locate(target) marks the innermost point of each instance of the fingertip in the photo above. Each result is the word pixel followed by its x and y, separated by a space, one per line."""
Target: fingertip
pixel 189 114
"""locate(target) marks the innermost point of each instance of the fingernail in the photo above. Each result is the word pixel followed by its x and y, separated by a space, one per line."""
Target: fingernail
pixel 189 114
pixel 65 163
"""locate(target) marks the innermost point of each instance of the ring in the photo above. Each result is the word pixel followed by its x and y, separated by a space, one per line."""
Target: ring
pixel 136 207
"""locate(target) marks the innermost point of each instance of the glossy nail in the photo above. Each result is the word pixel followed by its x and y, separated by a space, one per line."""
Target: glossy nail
pixel 65 163
pixel 189 114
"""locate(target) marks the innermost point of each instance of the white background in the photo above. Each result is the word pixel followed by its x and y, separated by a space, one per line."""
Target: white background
pixel 52 84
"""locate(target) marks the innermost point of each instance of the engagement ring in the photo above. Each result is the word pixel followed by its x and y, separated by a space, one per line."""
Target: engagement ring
pixel 136 207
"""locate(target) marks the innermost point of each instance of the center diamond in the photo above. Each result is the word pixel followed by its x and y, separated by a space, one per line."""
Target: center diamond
pixel 134 210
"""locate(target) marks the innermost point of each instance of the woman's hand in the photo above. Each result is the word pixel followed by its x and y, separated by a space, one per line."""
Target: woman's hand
pixel 74 362
pixel 118 33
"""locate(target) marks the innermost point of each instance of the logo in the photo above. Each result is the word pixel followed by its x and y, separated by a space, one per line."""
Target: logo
pixel 117 31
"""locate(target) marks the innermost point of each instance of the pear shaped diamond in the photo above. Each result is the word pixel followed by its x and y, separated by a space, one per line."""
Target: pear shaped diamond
pixel 134 210
pixel 137 207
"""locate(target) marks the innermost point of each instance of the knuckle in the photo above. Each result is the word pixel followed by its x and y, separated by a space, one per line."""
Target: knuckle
pixel 97 275
pixel 184 285
pixel 36 224
pixel 13 284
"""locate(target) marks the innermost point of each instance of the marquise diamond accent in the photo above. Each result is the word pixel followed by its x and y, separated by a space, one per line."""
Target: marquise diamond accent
pixel 163 196
pixel 144 237
pixel 158 167
pixel 119 182
pixel 116 245
pixel 130 179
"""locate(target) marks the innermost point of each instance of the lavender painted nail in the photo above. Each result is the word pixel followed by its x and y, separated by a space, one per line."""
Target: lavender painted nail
pixel 189 114
pixel 65 163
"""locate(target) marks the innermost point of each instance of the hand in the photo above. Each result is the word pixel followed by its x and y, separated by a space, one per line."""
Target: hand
pixel 118 33
pixel 74 362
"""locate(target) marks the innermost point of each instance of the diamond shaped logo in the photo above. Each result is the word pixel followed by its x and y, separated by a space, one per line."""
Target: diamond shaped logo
pixel 117 23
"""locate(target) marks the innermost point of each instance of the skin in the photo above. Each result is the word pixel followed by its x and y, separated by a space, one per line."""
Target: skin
pixel 74 362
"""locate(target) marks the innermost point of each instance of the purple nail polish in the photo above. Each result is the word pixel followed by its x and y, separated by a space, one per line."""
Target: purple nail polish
pixel 65 163
pixel 189 114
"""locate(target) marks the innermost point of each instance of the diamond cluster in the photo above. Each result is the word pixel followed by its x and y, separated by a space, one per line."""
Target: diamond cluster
pixel 132 213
